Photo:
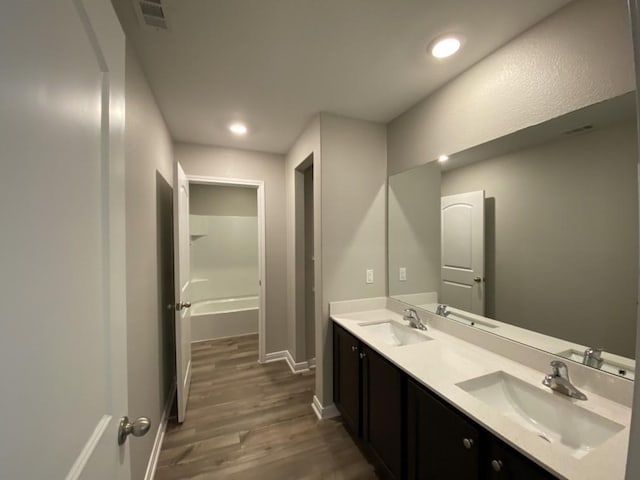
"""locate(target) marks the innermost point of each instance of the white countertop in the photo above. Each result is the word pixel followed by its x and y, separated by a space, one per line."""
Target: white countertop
pixel 447 360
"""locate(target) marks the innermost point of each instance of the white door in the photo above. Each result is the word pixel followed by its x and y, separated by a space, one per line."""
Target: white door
pixel 462 227
pixel 62 245
pixel 183 312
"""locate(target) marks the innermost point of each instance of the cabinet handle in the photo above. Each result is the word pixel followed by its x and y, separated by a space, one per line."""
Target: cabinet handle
pixel 468 443
pixel 496 465
pixel 362 355
pixel 354 348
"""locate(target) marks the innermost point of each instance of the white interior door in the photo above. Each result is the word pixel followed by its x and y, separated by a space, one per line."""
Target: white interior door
pixel 62 246
pixel 462 227
pixel 183 280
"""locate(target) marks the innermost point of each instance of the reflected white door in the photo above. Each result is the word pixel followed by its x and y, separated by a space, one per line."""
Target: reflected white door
pixel 183 310
pixel 62 246
pixel 462 230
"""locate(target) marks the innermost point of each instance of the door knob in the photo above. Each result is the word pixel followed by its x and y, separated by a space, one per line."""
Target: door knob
pixel 139 427
pixel 477 279
pixel 182 305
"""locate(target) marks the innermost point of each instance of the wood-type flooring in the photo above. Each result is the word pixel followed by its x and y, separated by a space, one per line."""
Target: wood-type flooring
pixel 251 421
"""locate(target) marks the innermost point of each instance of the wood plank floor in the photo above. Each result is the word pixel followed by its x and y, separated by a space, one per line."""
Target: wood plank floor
pixel 246 420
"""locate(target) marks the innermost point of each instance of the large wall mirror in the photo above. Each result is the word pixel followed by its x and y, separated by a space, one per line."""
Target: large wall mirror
pixel 533 236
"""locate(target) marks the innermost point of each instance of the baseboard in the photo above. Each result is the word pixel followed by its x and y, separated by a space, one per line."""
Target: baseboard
pixel 157 444
pixel 285 355
pixel 274 356
pixel 323 413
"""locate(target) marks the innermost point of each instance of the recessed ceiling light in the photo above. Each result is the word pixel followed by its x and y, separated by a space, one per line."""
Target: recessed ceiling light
pixel 445 47
pixel 238 128
pixel 443 158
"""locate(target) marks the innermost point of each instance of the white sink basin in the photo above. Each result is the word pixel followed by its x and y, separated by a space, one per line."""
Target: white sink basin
pixel 626 371
pixel 555 419
pixel 393 334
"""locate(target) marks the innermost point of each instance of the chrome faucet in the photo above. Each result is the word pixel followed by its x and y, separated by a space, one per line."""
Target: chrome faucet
pixel 442 310
pixel 558 381
pixel 412 317
pixel 593 357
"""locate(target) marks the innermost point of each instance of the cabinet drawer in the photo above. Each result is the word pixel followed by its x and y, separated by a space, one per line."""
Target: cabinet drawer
pixel 504 463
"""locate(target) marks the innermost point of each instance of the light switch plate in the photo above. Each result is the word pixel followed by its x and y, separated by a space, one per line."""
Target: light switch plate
pixel 370 276
pixel 403 274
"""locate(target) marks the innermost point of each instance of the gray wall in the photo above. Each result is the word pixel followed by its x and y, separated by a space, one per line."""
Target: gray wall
pixel 248 165
pixel 308 143
pixel 633 459
pixel 563 234
pixel 414 230
pixel 353 224
pixel 579 56
pixel 349 175
pixel 148 149
pixel 223 201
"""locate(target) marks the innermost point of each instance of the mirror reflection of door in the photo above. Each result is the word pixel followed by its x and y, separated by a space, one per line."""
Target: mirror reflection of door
pixel 462 227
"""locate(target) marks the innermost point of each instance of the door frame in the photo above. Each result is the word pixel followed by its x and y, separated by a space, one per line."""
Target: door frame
pixel 262 280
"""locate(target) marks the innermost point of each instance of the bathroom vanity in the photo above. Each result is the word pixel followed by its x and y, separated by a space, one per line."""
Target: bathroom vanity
pixel 432 405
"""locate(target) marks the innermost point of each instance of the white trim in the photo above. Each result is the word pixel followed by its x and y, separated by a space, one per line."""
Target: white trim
pixel 312 362
pixel 323 413
pixel 285 355
pixel 296 367
pixel 274 357
pixel 87 451
pixel 262 278
pixel 157 444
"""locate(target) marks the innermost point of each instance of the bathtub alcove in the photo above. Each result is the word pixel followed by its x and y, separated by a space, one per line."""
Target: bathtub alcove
pixel 223 227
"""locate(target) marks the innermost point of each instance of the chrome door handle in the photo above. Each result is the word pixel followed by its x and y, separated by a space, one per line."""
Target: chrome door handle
pixel 183 305
pixel 477 279
pixel 137 428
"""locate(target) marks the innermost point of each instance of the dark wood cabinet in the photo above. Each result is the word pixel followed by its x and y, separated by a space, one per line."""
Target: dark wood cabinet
pixel 441 443
pixel 504 463
pixel 382 400
pixel 347 378
pixel 368 392
pixel 408 429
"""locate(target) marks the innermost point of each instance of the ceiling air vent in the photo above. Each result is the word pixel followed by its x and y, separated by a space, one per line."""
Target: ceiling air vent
pixel 151 13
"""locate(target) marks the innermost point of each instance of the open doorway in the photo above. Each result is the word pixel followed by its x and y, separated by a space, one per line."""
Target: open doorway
pixel 226 236
pixel 305 264
pixel 166 289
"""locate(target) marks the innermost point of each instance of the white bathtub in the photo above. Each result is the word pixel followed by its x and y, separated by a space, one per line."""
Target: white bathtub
pixel 222 318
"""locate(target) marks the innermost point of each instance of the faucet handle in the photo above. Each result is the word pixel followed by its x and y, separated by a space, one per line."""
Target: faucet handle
pixel 559 369
pixel 594 352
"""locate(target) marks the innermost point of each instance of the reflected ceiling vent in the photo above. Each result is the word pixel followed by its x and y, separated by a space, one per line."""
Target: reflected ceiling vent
pixel 151 13
pixel 584 128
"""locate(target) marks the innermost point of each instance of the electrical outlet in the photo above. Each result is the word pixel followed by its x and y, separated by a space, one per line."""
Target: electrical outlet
pixel 403 274
pixel 370 276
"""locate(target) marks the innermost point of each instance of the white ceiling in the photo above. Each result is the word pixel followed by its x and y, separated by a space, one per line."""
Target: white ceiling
pixel 273 64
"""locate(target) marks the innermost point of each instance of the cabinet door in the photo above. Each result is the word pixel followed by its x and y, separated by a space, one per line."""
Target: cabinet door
pixel 346 377
pixel 382 410
pixel 504 463
pixel 441 443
